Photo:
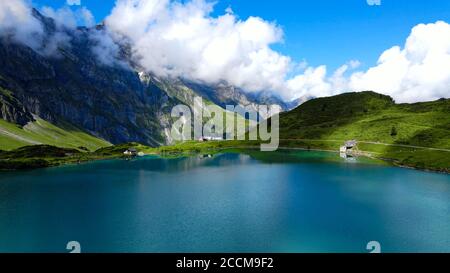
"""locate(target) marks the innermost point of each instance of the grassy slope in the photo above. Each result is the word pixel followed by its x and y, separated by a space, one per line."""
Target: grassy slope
pixel 42 156
pixel 186 96
pixel 326 123
pixel 42 132
pixel 370 117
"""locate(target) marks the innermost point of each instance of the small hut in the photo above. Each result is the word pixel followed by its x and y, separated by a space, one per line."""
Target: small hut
pixel 130 152
pixel 348 146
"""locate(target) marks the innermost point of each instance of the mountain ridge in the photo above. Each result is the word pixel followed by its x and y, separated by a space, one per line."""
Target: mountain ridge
pixel 369 116
pixel 110 102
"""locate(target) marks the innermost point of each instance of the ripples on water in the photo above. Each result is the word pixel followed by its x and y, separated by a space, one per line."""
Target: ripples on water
pixel 256 202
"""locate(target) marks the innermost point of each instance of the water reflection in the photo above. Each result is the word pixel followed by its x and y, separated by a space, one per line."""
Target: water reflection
pixel 288 201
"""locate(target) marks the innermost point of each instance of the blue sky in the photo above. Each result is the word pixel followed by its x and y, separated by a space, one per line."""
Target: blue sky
pixel 326 32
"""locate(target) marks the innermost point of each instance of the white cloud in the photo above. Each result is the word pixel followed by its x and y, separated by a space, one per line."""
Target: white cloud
pixel 105 48
pixel 86 17
pixel 353 64
pixel 312 82
pixel 178 39
pixel 73 2
pixel 66 18
pixel 16 20
pixel 70 18
pixel 175 39
pixel 420 71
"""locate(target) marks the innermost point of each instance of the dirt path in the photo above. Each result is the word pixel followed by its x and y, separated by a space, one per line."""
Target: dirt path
pixel 406 146
pixel 376 143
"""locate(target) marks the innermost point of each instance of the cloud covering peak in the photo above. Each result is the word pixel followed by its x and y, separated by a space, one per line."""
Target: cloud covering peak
pixel 20 23
pixel 17 21
pixel 184 39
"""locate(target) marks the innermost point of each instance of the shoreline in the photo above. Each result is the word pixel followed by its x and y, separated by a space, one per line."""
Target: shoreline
pixel 387 161
pixel 177 152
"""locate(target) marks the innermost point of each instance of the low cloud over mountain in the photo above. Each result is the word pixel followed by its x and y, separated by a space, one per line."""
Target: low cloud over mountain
pixel 170 38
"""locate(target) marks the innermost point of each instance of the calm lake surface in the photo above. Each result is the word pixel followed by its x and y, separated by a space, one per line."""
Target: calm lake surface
pixel 266 202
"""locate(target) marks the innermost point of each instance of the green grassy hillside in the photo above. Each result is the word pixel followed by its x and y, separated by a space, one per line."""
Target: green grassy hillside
pixel 178 90
pixel 368 116
pixel 410 135
pixel 415 135
pixel 64 135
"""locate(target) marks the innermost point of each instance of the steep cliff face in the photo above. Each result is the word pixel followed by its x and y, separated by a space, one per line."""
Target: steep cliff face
pixel 224 94
pixel 12 109
pixel 117 101
pixel 110 101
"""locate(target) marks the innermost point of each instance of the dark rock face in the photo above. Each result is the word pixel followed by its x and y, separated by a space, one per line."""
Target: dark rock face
pixel 109 101
pixel 223 94
pixel 12 110
pixel 112 101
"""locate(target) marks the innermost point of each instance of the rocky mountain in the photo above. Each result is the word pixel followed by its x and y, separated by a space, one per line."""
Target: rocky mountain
pixel 118 102
pixel 224 94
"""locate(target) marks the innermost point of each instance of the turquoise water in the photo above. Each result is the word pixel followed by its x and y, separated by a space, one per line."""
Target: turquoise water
pixel 278 202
